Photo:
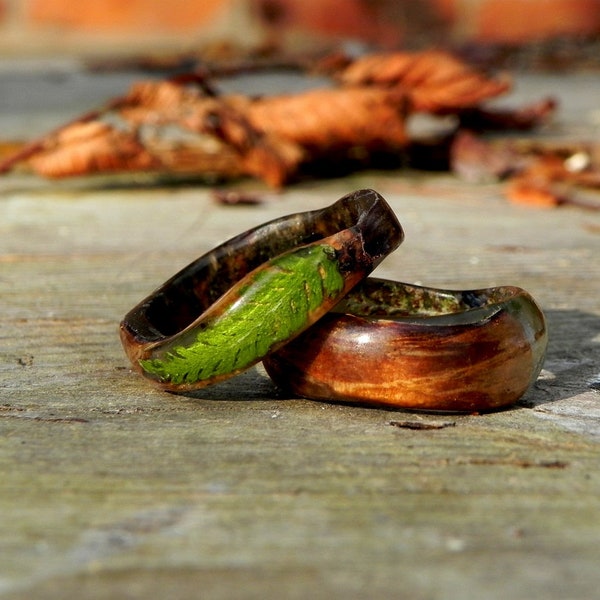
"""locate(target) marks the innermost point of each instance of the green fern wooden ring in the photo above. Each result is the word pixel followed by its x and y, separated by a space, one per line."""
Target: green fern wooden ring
pixel 249 296
pixel 390 343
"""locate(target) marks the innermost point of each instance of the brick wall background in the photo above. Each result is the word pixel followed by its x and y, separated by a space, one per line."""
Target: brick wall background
pixel 84 26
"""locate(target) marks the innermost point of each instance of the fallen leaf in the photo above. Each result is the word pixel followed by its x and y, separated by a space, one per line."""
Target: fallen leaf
pixel 538 194
pixel 540 175
pixel 435 81
pixel 476 160
pixel 184 126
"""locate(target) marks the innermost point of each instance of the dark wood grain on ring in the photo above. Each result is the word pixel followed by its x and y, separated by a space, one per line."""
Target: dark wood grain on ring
pixel 231 307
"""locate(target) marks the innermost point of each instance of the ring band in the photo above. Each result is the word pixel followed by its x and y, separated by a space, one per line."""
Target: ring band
pixel 394 344
pixel 241 301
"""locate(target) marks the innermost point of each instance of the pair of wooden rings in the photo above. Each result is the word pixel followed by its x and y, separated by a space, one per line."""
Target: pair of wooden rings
pixel 294 293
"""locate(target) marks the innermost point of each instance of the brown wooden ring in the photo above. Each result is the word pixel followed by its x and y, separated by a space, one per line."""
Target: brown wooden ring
pixel 407 346
pixel 255 292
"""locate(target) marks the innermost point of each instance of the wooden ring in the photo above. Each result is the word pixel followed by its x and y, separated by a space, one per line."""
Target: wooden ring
pixel 246 298
pixel 412 347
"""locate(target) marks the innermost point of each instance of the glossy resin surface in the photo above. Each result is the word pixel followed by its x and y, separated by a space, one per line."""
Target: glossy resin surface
pixel 408 346
pixel 247 297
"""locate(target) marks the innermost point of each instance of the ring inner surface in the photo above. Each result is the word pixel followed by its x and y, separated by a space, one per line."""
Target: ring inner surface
pixel 380 299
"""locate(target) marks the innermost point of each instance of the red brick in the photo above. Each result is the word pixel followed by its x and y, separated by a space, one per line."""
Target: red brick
pixel 118 16
pixel 516 21
pixel 347 19
pixel 447 10
pixel 385 22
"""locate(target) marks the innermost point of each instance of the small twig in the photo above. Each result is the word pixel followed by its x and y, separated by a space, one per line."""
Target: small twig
pixel 514 462
pixel 416 424
pixel 236 198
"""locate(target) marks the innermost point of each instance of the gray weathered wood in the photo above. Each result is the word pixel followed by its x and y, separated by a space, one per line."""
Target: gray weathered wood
pixel 110 488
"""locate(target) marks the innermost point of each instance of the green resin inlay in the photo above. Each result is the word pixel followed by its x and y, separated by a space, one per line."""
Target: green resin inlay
pixel 276 305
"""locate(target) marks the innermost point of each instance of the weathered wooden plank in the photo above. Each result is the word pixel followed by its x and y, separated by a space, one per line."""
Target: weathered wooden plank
pixel 110 488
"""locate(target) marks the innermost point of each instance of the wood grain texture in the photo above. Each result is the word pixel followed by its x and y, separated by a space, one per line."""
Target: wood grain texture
pixel 112 488
pixel 229 308
pixel 476 358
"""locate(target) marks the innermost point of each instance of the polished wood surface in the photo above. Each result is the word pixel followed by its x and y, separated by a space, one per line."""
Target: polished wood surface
pixel 460 359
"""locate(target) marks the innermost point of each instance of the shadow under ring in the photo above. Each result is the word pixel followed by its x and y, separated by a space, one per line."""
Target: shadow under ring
pixel 246 298
pixel 393 344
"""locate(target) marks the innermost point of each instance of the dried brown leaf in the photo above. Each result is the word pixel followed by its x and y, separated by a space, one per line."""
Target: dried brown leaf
pixel 435 81
pixel 550 181
pixel 92 148
pixel 182 126
pixel 533 193
pixel 325 120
